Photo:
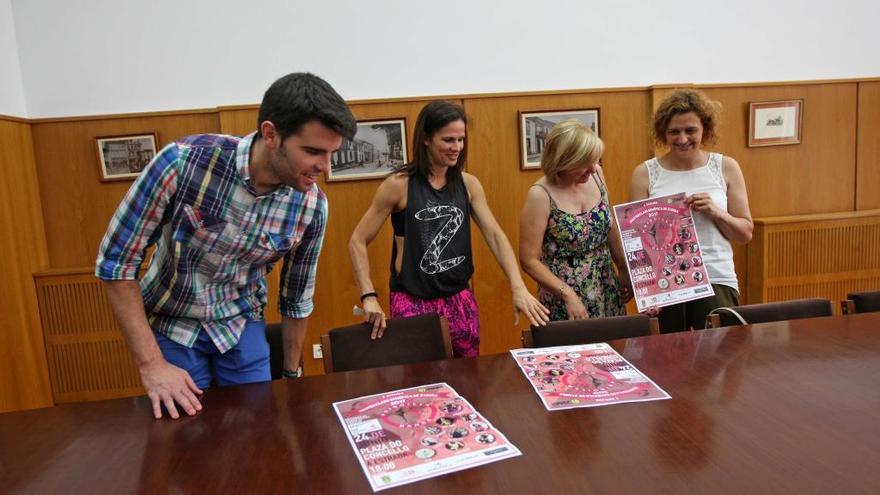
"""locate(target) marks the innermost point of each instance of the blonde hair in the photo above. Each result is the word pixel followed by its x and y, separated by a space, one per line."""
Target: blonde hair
pixel 569 144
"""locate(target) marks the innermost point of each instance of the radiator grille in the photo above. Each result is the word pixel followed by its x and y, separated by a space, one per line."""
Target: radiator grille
pixel 88 358
pixel 814 256
pixel 824 249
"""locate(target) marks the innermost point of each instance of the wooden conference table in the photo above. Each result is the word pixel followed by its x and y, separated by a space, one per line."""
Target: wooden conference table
pixel 789 407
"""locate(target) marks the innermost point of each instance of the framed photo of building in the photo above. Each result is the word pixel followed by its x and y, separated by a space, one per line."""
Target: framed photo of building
pixel 534 126
pixel 772 123
pixel 377 148
pixel 124 157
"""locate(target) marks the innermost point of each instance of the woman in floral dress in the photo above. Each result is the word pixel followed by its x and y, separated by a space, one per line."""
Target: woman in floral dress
pixel 567 234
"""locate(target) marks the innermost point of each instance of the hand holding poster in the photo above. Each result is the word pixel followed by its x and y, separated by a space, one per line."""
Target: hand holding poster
pixel 662 251
pixel 418 433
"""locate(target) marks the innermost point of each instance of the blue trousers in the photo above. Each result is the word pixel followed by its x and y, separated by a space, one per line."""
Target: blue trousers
pixel 247 362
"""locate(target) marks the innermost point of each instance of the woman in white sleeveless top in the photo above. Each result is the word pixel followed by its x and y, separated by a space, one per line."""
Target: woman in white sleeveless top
pixel 684 122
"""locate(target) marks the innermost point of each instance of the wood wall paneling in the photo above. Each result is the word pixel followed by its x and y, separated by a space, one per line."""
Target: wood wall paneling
pixel 868 166
pixel 238 121
pixel 815 176
pixel 24 381
pixel 77 206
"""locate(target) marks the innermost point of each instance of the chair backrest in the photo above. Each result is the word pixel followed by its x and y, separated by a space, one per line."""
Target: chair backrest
pixel 573 332
pixel 276 349
pixel 861 302
pixel 775 311
pixel 406 340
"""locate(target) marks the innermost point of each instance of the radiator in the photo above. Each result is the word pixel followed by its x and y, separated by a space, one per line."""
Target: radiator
pixel 824 255
pixel 88 358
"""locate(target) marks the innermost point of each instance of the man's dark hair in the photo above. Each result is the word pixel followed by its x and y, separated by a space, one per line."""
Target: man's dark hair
pixel 300 97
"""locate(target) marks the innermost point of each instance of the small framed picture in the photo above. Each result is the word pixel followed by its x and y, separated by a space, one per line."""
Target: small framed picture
pixel 534 126
pixel 772 123
pixel 124 157
pixel 377 148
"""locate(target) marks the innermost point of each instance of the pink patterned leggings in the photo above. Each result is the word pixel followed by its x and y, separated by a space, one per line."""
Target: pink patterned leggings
pixel 460 310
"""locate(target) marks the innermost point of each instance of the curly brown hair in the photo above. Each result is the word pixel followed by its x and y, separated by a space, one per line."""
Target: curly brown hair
pixel 684 101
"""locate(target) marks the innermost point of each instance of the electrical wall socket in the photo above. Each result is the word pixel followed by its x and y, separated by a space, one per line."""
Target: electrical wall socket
pixel 317 352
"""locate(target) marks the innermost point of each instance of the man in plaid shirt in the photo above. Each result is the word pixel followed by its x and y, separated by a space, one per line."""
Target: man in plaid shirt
pixel 221 210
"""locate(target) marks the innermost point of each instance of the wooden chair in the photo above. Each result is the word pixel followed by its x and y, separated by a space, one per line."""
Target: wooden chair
pixel 775 311
pixel 861 302
pixel 573 332
pixel 276 349
pixel 406 340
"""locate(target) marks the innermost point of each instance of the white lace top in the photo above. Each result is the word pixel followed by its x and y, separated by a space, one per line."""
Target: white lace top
pixel 717 251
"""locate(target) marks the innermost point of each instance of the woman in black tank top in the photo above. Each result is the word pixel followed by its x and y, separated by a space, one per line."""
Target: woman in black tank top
pixel 430 201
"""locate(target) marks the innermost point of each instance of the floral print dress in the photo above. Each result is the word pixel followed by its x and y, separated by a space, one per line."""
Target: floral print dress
pixel 575 248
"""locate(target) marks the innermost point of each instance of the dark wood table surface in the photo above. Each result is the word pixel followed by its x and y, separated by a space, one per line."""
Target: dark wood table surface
pixel 789 407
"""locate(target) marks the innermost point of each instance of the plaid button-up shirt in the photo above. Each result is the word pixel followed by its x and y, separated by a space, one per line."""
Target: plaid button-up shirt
pixel 215 238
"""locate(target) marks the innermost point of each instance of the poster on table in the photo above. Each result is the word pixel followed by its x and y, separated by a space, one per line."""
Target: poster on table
pixel 417 433
pixel 586 375
pixel 662 251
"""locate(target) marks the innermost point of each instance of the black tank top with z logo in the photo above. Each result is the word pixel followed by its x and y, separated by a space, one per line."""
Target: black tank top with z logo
pixel 437 240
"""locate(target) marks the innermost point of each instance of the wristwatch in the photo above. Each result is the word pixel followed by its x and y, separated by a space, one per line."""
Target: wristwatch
pixel 297 373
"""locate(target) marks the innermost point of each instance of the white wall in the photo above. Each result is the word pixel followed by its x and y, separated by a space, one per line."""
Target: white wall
pixel 111 56
pixel 11 90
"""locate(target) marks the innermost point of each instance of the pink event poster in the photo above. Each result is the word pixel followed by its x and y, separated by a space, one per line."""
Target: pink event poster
pixel 418 433
pixel 586 375
pixel 662 251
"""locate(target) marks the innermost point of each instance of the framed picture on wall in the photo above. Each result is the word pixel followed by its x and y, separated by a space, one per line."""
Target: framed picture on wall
pixel 124 157
pixel 772 123
pixel 534 126
pixel 378 147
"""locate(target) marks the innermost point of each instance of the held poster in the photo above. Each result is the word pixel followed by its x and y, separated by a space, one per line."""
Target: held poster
pixel 586 375
pixel 418 433
pixel 662 251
